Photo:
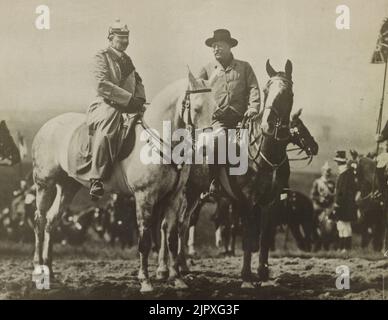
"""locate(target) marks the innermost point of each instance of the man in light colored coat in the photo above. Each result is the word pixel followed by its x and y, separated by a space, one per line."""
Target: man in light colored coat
pixel 234 85
pixel 119 90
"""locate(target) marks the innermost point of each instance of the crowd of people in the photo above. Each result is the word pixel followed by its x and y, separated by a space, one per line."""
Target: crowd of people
pixel 113 221
pixel 339 205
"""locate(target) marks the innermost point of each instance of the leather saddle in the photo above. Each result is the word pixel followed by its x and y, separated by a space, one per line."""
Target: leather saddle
pixel 80 152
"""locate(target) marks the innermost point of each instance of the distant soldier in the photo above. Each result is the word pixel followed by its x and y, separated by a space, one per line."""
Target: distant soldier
pixel 345 208
pixel 119 90
pixel 323 190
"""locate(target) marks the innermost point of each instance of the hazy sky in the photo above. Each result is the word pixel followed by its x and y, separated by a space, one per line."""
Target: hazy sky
pixel 332 73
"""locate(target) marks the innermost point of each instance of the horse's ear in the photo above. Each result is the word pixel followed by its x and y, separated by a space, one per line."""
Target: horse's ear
pixel 297 114
pixel 271 72
pixel 288 69
pixel 353 153
pixel 192 80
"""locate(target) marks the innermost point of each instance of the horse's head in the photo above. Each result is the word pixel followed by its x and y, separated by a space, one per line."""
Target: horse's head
pixel 269 132
pixel 301 136
pixel 9 153
pixel 278 100
pixel 198 104
pixel 364 169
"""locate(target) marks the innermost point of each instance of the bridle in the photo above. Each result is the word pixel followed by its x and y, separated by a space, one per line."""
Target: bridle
pixel 186 110
pixel 296 135
pixel 279 123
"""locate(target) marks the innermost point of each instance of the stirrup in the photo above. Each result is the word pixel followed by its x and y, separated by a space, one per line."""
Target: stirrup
pixel 213 188
pixel 96 189
pixel 204 195
pixel 377 194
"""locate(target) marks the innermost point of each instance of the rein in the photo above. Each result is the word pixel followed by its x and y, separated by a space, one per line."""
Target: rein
pixel 278 126
pixel 256 140
pixel 189 125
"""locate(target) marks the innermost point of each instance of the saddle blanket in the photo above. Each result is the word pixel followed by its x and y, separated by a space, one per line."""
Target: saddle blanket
pixel 80 152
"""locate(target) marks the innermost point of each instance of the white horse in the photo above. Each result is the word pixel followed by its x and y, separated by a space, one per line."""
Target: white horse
pixel 158 189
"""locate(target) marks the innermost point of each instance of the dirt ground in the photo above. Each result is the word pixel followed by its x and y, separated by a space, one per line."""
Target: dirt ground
pixel 104 273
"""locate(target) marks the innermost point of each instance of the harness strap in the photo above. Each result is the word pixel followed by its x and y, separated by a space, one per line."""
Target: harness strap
pixel 161 143
pixel 274 166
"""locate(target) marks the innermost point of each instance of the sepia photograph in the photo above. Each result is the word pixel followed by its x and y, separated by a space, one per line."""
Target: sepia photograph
pixel 194 150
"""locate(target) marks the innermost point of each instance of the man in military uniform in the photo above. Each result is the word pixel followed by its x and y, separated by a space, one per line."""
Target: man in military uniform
pixel 233 84
pixel 323 190
pixel 119 90
pixel 345 208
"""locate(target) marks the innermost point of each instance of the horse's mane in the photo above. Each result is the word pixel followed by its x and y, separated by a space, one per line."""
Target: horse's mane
pixel 172 92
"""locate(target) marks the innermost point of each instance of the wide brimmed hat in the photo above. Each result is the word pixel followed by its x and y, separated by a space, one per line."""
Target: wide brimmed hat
pixel 221 35
pixel 118 29
pixel 340 156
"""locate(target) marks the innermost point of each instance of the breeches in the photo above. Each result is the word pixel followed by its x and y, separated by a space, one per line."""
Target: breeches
pixel 104 121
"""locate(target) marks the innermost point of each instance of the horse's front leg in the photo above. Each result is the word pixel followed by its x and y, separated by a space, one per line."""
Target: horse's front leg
pixel 45 195
pixel 162 270
pixel 249 245
pixel 144 209
pixel 188 221
pixel 265 240
pixel 176 205
pixel 183 267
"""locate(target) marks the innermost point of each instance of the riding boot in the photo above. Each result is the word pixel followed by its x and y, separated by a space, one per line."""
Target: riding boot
pixel 348 243
pixel 96 189
pixel 340 244
pixel 213 184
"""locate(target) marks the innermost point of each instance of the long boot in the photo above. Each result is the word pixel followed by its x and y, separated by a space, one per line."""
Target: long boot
pixel 340 244
pixel 348 243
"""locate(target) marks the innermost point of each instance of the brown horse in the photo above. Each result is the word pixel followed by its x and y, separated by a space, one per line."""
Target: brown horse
pixel 267 176
pixel 158 189
pixel 9 153
pixel 227 222
pixel 372 211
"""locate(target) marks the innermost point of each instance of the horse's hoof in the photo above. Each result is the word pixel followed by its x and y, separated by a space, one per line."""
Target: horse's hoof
pixel 184 270
pixel 180 284
pixel 146 287
pixel 263 273
pixel 250 285
pixel 161 274
pixel 192 252
pixel 42 278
